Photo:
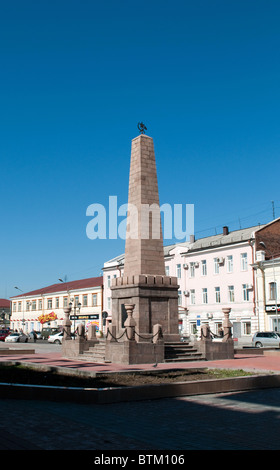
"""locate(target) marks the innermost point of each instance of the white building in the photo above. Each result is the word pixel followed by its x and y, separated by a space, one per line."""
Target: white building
pixel 268 292
pixel 213 273
pixel 44 307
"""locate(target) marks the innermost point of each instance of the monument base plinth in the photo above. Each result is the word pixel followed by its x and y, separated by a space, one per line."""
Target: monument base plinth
pixel 155 300
pixel 216 350
pixel 74 348
pixel 132 352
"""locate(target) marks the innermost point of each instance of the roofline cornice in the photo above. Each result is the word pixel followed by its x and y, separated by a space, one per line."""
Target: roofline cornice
pixel 215 248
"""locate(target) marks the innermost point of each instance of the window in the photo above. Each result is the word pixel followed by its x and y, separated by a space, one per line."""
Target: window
pixel 33 305
pixel 203 267
pixel 230 264
pixel 216 266
pixel 204 296
pixel 246 328
pixel 27 305
pixel 49 303
pixel 76 300
pixel 193 328
pixel 65 302
pixel 179 297
pixel 192 269
pixel 231 293
pixel 178 271
pixel 167 270
pixel 109 302
pixel 94 300
pixel 85 300
pixel 40 304
pixel 108 281
pixel 57 302
pixel 217 295
pixel 192 296
pixel 245 292
pixel 218 329
pixel 14 307
pixel 244 262
pixel 19 307
pixel 272 291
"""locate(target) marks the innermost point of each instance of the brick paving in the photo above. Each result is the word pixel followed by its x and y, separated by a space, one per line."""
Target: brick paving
pixel 232 421
pixel 235 421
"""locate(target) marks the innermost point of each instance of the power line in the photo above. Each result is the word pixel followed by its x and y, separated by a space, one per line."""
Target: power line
pixel 239 220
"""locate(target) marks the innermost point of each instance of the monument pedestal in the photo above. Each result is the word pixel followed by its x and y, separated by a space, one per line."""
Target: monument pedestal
pixel 155 316
pixel 155 300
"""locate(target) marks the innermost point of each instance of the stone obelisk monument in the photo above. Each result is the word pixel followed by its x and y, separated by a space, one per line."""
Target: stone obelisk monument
pixel 144 292
pixel 144 244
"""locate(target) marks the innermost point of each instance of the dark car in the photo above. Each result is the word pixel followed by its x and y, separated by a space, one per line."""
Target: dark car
pixel 46 332
pixel 4 334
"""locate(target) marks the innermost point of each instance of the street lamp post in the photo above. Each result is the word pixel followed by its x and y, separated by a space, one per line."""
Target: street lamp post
pixel 76 307
pixel 22 321
pixel 69 304
pixel 3 317
pixel 274 279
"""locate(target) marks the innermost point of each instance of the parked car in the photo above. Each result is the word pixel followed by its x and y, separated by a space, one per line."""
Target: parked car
pixel 46 332
pixel 265 339
pixel 16 338
pixel 57 338
pixel 3 334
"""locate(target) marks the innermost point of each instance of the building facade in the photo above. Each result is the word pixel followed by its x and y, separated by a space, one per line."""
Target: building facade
pixel 213 273
pixel 5 312
pixel 45 307
pixel 268 292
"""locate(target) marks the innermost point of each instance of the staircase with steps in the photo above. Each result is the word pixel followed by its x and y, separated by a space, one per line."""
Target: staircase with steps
pixel 95 353
pixel 173 352
pixel 181 352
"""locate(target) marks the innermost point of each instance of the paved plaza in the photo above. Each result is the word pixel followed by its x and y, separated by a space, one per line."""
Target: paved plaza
pixel 235 421
pixel 231 421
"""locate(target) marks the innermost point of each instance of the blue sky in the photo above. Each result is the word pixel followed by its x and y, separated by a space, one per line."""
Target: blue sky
pixel 76 78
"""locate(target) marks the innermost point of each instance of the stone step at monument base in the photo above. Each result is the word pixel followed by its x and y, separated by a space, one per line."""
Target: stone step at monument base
pixel 95 353
pixel 173 352
pixel 181 352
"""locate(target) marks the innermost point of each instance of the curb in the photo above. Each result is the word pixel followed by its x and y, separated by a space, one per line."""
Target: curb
pixel 138 393
pixel 14 352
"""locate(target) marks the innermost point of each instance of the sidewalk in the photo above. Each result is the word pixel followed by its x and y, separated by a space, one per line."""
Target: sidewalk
pixel 252 362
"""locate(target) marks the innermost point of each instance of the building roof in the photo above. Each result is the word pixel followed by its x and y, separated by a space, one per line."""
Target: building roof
pixel 4 303
pixel 216 241
pixel 64 287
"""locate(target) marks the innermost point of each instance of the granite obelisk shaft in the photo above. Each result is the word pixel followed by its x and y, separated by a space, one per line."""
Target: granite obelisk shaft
pixel 144 244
